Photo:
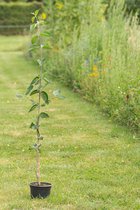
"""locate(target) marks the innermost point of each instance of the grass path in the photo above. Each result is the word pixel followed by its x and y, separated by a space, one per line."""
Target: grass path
pixel 92 163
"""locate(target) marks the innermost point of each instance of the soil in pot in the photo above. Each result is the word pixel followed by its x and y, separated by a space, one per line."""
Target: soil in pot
pixel 40 191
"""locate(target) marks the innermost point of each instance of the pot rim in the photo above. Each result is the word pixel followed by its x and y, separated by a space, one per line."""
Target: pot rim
pixel 45 184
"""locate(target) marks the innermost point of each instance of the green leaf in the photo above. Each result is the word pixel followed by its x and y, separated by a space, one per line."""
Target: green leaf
pixel 34 39
pixel 33 107
pixel 40 138
pixel 32 27
pixel 29 89
pixel 43 115
pixel 46 47
pixel 45 34
pixel 36 146
pixel 46 80
pixel 34 47
pixel 33 126
pixel 42 105
pixel 34 92
pixel 35 80
pixel 39 61
pixel 45 97
pixel 33 19
pixel 36 12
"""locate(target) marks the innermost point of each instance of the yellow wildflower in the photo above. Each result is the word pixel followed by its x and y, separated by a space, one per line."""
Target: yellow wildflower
pixel 59 5
pixel 43 16
pixel 94 75
pixel 94 68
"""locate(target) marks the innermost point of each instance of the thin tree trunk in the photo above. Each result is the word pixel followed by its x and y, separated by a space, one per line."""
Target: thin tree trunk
pixel 38 119
pixel 38 166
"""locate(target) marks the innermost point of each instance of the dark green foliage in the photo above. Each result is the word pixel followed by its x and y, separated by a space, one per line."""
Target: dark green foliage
pixel 44 96
pixel 29 89
pixel 34 92
pixel 43 115
pixel 132 6
pixel 15 18
pixel 33 126
pixel 33 107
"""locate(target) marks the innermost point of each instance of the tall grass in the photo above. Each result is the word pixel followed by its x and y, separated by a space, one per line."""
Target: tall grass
pixel 102 60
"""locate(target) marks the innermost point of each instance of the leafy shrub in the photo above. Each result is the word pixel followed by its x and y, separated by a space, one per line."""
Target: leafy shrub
pixel 16 17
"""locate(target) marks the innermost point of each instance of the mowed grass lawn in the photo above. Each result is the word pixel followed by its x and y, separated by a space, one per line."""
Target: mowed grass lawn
pixel 91 162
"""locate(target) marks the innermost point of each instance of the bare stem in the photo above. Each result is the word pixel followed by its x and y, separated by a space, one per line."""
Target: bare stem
pixel 38 166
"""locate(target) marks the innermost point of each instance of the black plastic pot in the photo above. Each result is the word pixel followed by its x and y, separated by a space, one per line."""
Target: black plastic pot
pixel 40 191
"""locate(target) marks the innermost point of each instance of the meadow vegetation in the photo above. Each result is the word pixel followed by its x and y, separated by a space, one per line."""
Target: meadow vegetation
pixel 97 57
pixel 91 162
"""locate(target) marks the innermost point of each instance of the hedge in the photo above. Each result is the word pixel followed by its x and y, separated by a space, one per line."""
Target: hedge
pixel 15 18
pixel 132 6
